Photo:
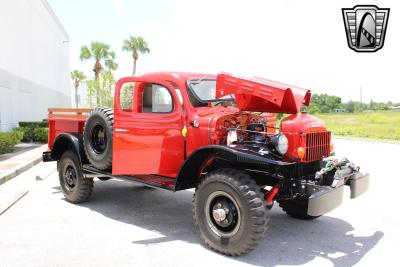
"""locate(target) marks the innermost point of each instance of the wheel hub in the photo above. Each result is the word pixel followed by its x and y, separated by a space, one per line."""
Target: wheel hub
pixel 219 215
pixel 222 213
pixel 99 139
pixel 70 177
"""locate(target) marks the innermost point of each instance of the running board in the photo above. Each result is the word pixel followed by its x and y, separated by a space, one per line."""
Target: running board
pixel 151 180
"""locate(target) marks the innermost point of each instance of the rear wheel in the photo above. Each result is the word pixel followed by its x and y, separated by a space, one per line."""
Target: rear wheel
pixel 76 189
pixel 296 208
pixel 229 212
pixel 97 137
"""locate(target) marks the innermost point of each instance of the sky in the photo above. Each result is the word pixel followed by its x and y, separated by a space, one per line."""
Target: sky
pixel 302 43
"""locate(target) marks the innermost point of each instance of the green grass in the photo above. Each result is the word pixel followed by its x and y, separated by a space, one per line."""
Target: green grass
pixel 375 125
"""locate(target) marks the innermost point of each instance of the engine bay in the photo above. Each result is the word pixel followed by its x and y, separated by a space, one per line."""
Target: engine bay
pixel 247 127
pixel 299 137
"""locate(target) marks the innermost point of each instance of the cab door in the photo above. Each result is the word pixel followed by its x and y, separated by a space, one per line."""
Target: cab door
pixel 147 129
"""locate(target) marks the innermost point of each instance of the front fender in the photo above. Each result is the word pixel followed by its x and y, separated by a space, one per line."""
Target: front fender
pixel 237 157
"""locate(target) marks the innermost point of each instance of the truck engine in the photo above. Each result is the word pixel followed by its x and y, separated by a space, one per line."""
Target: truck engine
pixel 300 137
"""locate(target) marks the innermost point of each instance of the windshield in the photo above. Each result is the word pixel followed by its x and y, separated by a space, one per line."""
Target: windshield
pixel 205 90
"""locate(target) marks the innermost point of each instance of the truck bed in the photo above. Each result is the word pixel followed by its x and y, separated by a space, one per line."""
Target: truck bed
pixel 62 120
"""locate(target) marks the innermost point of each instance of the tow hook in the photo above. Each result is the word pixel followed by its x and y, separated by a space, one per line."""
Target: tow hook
pixel 330 165
pixel 269 197
pixel 344 168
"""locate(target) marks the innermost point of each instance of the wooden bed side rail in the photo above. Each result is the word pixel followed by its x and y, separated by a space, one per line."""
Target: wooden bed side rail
pixel 68 113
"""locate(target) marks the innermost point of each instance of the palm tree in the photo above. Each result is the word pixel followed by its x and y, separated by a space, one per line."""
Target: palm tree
pixel 78 77
pixel 136 45
pixel 99 52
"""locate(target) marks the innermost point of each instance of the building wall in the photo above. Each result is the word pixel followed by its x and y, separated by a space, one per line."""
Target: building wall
pixel 34 62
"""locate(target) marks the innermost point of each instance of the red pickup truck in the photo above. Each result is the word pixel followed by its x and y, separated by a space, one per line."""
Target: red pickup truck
pixel 178 131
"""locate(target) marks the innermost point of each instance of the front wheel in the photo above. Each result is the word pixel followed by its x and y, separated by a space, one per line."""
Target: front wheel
pixel 75 188
pixel 229 212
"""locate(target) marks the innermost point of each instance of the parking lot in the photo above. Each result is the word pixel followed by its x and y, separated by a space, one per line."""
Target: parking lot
pixel 128 224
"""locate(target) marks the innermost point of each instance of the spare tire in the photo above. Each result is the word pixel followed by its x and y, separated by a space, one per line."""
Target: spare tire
pixel 97 137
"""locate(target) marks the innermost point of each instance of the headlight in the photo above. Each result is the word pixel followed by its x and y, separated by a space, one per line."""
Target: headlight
pixel 282 144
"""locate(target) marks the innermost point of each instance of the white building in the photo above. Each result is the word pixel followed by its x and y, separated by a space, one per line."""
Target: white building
pixel 34 62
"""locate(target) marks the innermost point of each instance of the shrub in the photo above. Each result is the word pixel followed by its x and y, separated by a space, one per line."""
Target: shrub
pixel 5 143
pixel 9 140
pixel 40 134
pixel 19 134
pixel 28 128
pixel 27 133
pixel 33 124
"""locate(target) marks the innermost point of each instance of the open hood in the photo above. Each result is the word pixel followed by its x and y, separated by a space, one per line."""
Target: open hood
pixel 258 94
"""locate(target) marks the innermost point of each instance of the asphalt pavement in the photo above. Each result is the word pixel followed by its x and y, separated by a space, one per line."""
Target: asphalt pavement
pixel 126 224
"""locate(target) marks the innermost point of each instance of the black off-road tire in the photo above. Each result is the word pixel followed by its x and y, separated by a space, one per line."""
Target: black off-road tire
pixel 251 214
pixel 297 208
pixel 75 188
pixel 97 137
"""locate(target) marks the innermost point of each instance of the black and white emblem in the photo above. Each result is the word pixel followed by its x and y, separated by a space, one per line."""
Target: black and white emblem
pixel 365 27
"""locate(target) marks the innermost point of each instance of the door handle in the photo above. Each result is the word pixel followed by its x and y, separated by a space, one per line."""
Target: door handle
pixel 120 130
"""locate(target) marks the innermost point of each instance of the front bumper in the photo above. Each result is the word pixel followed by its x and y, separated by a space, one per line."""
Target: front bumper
pixel 359 184
pixel 328 198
